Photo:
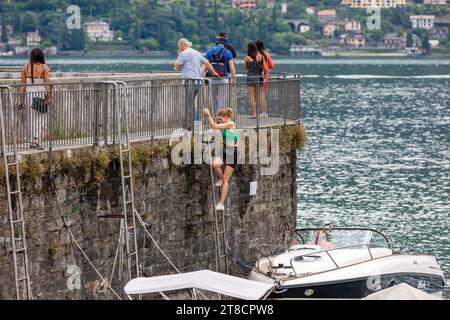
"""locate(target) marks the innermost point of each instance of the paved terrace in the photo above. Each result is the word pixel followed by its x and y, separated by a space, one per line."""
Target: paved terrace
pixel 85 107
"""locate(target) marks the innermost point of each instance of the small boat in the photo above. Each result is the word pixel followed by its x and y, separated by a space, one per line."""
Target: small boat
pixel 344 263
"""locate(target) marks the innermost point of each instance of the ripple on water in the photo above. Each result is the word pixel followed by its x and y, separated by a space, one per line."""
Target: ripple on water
pixel 378 156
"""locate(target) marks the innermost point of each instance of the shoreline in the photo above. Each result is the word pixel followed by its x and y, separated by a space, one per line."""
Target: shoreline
pixel 334 55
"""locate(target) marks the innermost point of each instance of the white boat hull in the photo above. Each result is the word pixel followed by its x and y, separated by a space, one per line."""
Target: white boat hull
pixel 362 279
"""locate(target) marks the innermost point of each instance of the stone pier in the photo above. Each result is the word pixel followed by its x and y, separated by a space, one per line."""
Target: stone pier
pixel 82 185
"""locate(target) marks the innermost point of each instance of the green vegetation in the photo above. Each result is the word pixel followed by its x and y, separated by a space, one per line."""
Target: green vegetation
pixel 86 168
pixel 4 37
pixel 54 249
pixel 155 25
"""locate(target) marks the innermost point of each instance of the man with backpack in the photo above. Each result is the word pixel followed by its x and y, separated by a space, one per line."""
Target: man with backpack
pixel 222 61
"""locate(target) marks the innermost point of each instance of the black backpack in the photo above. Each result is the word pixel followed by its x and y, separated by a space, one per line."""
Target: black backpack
pixel 219 62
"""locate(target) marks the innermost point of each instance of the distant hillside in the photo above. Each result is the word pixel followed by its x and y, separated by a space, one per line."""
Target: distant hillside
pixel 157 25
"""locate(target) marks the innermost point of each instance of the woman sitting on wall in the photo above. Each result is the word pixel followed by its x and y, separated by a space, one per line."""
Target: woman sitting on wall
pixel 229 157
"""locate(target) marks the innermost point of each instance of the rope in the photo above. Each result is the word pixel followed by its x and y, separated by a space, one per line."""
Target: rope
pixel 154 241
pixel 87 258
pixel 238 259
pixel 144 226
pixel 119 243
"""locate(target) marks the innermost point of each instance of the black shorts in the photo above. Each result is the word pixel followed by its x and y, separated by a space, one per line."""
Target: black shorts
pixel 230 156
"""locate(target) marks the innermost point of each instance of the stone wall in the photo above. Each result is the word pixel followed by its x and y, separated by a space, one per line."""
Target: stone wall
pixel 175 202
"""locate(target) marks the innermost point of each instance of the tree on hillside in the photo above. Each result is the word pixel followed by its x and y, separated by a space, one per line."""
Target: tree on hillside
pixel 400 17
pixel 4 29
pixel 78 40
pixel 216 12
pixel 17 23
pixel 409 40
pixel 202 11
pixel 29 22
pixel 376 35
pixel 426 43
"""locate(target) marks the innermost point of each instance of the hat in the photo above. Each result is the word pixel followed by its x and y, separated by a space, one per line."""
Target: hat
pixel 222 41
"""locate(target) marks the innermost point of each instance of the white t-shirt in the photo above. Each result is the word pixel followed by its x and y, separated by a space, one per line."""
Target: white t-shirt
pixel 191 62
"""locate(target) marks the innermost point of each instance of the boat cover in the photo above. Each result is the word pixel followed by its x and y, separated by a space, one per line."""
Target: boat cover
pixel 203 280
pixel 401 292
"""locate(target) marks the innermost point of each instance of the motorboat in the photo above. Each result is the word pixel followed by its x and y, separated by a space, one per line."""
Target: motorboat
pixel 319 263
pixel 343 263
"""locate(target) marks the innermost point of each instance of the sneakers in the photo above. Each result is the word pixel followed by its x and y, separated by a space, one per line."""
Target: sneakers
pixel 219 183
pixel 264 115
pixel 220 207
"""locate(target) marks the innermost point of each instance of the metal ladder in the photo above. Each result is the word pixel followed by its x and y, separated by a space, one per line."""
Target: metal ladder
pixel 219 218
pixel 127 185
pixel 16 215
pixel 221 242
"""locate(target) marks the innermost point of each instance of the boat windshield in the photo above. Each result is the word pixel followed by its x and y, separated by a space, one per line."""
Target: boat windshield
pixel 341 237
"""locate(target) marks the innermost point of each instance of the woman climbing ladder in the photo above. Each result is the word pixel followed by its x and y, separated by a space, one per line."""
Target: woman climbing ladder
pixel 229 157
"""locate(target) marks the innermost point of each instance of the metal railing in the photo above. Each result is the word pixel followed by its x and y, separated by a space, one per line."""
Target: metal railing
pixel 83 113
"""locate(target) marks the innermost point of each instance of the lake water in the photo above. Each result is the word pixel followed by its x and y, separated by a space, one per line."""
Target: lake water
pixel 378 153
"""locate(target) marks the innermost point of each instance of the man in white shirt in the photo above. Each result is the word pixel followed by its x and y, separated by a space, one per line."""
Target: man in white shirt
pixel 190 64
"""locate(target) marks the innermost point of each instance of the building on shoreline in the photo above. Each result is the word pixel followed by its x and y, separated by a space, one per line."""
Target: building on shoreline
pixel 310 11
pixel 353 25
pixel 435 2
pixel 99 31
pixel 393 41
pixel 244 4
pixel 327 15
pixel 422 22
pixel 356 40
pixel 362 4
pixel 33 39
pixel 329 29
pixel 297 50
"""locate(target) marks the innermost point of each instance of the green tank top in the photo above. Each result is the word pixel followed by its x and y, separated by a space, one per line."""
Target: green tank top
pixel 229 136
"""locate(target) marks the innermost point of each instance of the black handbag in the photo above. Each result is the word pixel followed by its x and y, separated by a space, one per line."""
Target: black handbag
pixel 40 104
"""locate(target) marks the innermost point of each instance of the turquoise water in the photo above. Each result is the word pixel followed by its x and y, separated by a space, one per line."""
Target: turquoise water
pixel 378 153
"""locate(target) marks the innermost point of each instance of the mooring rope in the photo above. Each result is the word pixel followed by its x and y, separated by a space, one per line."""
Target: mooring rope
pixel 119 243
pixel 144 226
pixel 142 222
pixel 87 258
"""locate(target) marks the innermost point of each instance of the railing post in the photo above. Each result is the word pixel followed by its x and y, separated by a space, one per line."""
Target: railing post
pixel 110 109
pixel 152 110
pixel 114 114
pixel 298 95
pixel 285 91
pixel 258 115
pixel 105 113
pixel 97 115
pixel 3 132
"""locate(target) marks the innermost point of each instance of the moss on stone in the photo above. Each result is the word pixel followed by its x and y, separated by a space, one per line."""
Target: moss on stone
pixel 54 249
pixel 86 167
